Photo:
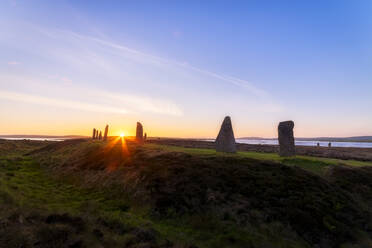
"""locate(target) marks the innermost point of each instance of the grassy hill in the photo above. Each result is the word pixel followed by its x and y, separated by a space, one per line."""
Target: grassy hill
pixel 83 193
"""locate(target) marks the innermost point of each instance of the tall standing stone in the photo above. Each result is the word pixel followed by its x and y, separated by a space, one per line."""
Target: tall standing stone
pixel 94 133
pixel 286 139
pixel 225 141
pixel 139 132
pixel 100 135
pixel 145 137
pixel 106 132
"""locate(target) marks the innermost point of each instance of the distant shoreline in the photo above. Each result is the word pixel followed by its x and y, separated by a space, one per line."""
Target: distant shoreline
pixel 357 139
pixel 63 137
pixel 321 139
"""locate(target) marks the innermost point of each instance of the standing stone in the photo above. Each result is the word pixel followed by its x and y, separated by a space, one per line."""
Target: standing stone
pixel 286 139
pixel 139 132
pixel 100 135
pixel 106 132
pixel 145 137
pixel 225 141
pixel 94 133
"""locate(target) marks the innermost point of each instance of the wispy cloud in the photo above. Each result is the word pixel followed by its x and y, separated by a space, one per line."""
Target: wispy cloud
pixel 90 99
pixel 144 104
pixel 62 103
pixel 13 3
pixel 13 63
pixel 149 58
pixel 140 76
pixel 177 34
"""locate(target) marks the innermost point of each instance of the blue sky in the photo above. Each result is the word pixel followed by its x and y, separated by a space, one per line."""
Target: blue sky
pixel 181 66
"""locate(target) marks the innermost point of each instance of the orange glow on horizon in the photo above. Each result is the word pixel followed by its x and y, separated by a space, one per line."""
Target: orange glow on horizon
pixel 174 129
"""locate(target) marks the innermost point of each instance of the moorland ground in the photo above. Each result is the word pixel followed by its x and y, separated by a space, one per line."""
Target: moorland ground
pixel 173 193
pixel 345 153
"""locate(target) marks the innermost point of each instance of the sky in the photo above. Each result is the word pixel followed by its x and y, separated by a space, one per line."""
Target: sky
pixel 179 67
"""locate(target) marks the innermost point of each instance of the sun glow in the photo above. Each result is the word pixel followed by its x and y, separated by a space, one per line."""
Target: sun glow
pixel 117 146
pixel 122 135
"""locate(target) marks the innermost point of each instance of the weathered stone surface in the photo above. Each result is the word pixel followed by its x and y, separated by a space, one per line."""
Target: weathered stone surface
pixel 139 132
pixel 94 133
pixel 286 139
pixel 106 132
pixel 100 135
pixel 225 141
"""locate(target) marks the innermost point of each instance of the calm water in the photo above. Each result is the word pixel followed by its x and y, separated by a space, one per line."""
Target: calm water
pixel 304 143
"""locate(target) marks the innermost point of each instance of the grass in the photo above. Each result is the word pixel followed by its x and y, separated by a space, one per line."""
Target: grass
pixel 26 185
pixel 27 188
pixel 314 164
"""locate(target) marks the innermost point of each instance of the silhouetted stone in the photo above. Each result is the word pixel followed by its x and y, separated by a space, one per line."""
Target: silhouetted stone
pixel 145 136
pixel 106 132
pixel 286 139
pixel 225 141
pixel 139 132
pixel 100 135
pixel 94 133
pixel 329 144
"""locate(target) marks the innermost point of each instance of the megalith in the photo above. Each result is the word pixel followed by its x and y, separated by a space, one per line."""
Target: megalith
pixel 100 135
pixel 225 141
pixel 139 132
pixel 94 133
pixel 144 136
pixel 106 132
pixel 286 139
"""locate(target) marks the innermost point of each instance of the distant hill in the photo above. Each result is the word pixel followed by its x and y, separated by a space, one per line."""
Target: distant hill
pixel 330 139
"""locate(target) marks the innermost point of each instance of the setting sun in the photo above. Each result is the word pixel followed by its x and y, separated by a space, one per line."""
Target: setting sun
pixel 122 135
